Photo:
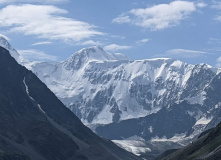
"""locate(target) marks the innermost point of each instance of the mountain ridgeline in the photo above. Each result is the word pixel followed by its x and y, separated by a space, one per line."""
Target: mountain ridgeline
pixel 122 98
pixel 35 125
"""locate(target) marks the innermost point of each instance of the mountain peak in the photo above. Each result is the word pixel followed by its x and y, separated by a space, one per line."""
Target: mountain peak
pixel 91 49
pixel 90 54
pixel 96 53
pixel 4 43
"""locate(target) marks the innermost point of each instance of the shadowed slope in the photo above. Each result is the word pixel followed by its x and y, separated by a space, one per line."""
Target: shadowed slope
pixel 207 147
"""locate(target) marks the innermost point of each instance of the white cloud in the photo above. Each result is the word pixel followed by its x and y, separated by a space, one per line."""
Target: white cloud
pixel 183 53
pixel 216 5
pixel 218 18
pixel 214 41
pixel 122 19
pixel 44 21
pixel 90 42
pixel 118 37
pixel 159 16
pixel 35 55
pixel 115 47
pixel 143 41
pixel 218 62
pixel 41 43
pixel 4 36
pixel 201 5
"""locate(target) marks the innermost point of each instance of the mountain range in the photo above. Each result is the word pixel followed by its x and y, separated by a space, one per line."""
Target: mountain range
pixel 152 100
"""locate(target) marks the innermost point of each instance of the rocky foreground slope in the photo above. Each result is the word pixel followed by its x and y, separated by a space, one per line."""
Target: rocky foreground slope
pixel 206 147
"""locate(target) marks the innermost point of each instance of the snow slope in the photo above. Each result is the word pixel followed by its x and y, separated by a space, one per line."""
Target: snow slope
pixel 101 89
pixel 116 95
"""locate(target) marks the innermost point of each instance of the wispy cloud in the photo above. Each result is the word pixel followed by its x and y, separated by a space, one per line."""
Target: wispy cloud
pixel 218 62
pixel 184 53
pixel 143 41
pixel 160 16
pixel 122 19
pixel 35 55
pixel 45 21
pixel 41 43
pixel 118 37
pixel 214 41
pixel 216 5
pixel 4 36
pixel 115 47
pixel 218 18
pixel 90 42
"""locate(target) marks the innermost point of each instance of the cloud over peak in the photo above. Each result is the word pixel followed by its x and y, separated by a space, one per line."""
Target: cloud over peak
pixel 115 47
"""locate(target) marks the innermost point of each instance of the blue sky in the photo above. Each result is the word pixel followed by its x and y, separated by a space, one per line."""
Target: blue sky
pixel 47 30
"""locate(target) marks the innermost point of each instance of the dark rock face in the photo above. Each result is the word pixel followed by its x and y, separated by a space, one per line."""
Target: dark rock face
pixel 35 125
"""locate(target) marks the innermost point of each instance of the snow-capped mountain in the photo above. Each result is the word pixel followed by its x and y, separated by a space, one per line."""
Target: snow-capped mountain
pixel 155 99
pixel 101 89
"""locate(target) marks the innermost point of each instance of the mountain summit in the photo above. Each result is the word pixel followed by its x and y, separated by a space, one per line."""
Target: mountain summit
pixel 5 44
pixel 87 55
